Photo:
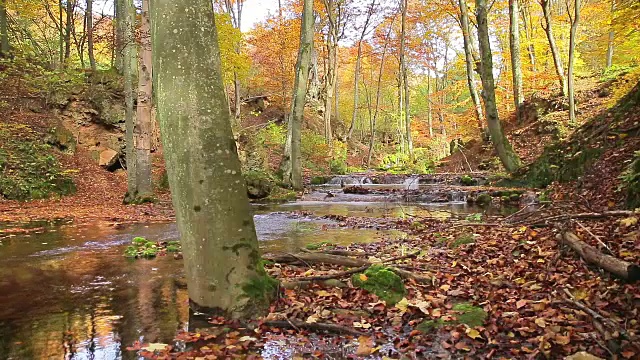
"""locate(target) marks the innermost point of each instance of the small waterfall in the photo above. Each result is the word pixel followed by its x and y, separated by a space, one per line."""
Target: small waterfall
pixel 412 183
pixel 458 196
pixel 350 180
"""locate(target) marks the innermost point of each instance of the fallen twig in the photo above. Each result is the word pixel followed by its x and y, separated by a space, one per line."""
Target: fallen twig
pixel 297 325
pixel 545 220
pixel 595 237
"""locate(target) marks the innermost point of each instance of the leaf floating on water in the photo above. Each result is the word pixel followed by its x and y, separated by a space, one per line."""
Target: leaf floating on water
pixel 153 347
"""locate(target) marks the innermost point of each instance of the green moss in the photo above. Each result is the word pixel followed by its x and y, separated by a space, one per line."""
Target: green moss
pixel 429 326
pixel 383 282
pixel 260 289
pixel 631 183
pixel 484 199
pixel 470 315
pixel 139 241
pixel 279 195
pixel 318 180
pixel 462 240
pixel 131 252
pixel 467 180
pixel 316 246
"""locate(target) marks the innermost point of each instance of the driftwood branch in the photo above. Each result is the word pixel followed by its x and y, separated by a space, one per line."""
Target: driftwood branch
pixel 297 325
pixel 317 258
pixel 590 254
pixel 564 217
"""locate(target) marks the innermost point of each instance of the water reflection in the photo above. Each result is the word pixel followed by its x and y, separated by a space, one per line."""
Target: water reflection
pixel 68 293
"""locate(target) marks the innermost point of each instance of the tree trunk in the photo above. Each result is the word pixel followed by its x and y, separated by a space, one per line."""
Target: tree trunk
pixel 528 31
pixel 575 21
pixel 130 70
pixel 219 242
pixel 557 61
pixel 143 130
pixel 67 34
pixel 516 63
pixel 61 36
pixel 429 104
pixel 119 35
pixel 5 49
pixel 330 90
pixel 374 119
pixel 611 37
pixel 469 62
pixel 405 85
pixel 292 162
pixel 505 152
pixel 89 25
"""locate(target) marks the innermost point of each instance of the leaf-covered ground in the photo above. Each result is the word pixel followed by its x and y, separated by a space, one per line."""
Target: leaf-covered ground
pixel 503 292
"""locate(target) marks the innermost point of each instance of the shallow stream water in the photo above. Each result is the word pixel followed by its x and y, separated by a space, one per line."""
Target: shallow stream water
pixel 69 293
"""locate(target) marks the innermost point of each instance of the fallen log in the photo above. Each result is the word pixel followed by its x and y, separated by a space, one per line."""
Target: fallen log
pixel 317 258
pixel 297 325
pixel 620 268
pixel 563 217
pixel 337 252
pixel 408 275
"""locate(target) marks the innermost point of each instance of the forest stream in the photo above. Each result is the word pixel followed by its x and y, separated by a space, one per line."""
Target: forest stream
pixel 69 293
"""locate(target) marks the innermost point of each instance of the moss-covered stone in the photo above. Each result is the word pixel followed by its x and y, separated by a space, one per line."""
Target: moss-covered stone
pixel 319 180
pixel 381 281
pixel 316 246
pixel 462 240
pixel 484 199
pixel 469 315
pixel 631 183
pixel 467 180
pixel 259 184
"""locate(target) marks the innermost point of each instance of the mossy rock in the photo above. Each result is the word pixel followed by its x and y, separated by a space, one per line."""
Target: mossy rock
pixel 382 282
pixel 319 180
pixel 430 326
pixel 484 199
pixel 462 240
pixel 467 180
pixel 317 246
pixel 470 315
pixel 631 183
pixel 259 184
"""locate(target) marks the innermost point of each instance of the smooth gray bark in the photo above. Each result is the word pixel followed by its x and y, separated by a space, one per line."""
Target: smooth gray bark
pixel 469 62
pixel 575 21
pixel 332 63
pixel 548 29
pixel 70 7
pixel 142 129
pixel 130 73
pixel 89 26
pixel 4 30
pixel 516 63
pixel 292 162
pixel 61 36
pixel 505 152
pixel 119 35
pixel 217 231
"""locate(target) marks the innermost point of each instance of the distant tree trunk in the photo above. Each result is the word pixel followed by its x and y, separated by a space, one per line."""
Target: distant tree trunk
pixel 119 32
pixel 505 152
pixel 528 31
pixel 356 76
pixel 516 64
pixel 61 35
pixel 575 21
pixel 469 62
pixel 89 25
pixel 292 162
pixel 69 26
pixel 429 104
pixel 403 62
pixel 548 29
pixel 220 247
pixel 374 119
pixel 234 9
pixel 130 70
pixel 143 129
pixel 5 49
pixel 611 37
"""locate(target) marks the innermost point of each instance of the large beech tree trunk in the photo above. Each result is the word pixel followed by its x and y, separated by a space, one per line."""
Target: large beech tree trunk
pixel 516 63
pixel 292 162
pixel 219 242
pixel 548 29
pixel 509 158
pixel 4 30
pixel 130 73
pixel 469 62
pixel 575 21
pixel 142 129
